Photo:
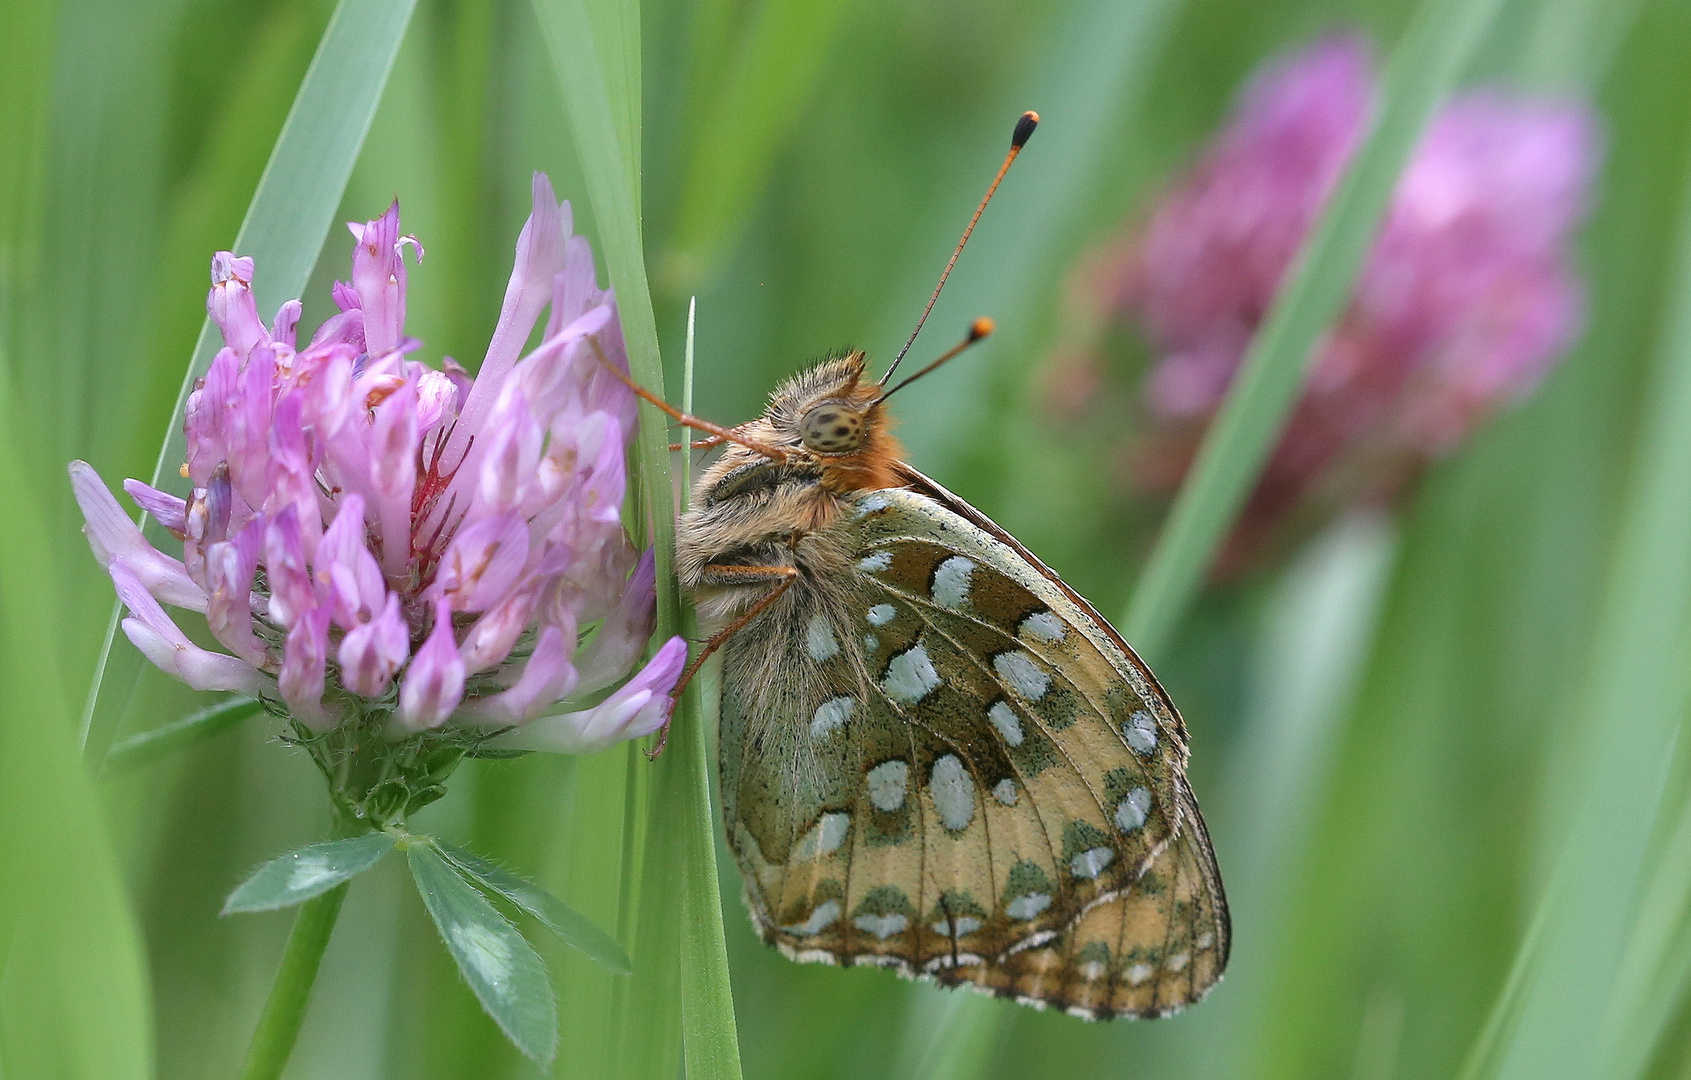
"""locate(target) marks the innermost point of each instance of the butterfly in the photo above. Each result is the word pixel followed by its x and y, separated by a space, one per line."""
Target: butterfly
pixel 935 755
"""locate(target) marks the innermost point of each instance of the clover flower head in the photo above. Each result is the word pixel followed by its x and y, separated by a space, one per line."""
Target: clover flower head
pixel 374 539
pixel 1466 298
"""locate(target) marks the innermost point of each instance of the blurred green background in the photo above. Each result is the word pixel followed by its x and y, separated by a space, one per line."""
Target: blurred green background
pixel 1432 749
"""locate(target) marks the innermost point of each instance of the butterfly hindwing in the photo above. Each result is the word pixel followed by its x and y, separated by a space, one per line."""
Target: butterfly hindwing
pixel 1154 949
pixel 958 770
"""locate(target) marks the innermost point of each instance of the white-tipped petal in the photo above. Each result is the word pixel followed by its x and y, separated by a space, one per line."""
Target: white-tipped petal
pixel 113 536
pixel 639 708
pixel 163 642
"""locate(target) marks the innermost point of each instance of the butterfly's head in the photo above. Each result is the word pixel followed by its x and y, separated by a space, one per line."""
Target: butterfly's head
pixel 834 418
pixel 832 427
pixel 824 436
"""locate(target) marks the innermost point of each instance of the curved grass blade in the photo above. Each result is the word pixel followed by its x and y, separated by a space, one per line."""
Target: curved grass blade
pixel 1630 713
pixel 1313 646
pixel 677 941
pixel 1655 973
pixel 1090 87
pixel 711 1039
pixel 951 1035
pixel 570 925
pixel 284 230
pixel 156 743
pixel 1091 83
pixel 1423 68
pixel 506 974
pixel 310 871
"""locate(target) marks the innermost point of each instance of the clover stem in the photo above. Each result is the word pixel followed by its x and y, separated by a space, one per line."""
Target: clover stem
pixel 278 1026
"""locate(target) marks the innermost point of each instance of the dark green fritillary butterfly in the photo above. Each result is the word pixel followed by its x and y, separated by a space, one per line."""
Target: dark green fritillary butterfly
pixel 935 755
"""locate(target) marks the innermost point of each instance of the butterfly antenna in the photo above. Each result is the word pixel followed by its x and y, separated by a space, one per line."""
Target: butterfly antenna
pixel 980 328
pixel 1018 139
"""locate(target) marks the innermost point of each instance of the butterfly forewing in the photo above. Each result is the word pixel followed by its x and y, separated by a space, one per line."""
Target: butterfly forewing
pixel 959 771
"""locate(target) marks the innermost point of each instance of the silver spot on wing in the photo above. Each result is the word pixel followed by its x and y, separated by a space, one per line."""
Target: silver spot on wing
pixel 1004 719
pixel 820 919
pixel 951 582
pixel 887 783
pixel 819 640
pixel 953 791
pixel 910 676
pixel 830 716
pixel 1042 626
pixel 1023 674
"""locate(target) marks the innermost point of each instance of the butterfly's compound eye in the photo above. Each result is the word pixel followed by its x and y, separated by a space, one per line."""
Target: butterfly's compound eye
pixel 832 428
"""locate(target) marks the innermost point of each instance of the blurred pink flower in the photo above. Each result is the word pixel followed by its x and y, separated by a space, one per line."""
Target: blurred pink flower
pixel 373 538
pixel 1466 299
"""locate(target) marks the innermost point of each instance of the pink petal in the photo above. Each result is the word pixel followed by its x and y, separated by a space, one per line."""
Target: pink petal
pixel 114 536
pixel 166 509
pixel 230 303
pixel 304 658
pixel 489 641
pixel 639 708
pixel 161 641
pixel 547 676
pixel 484 562
pixel 230 567
pixel 378 274
pixel 624 632
pixel 434 684
pixel 540 256
pixel 371 653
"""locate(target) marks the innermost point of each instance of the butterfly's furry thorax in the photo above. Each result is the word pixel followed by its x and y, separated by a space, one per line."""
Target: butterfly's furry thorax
pixel 750 510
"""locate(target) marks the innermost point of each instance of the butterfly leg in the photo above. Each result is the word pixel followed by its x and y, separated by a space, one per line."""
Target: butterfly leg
pixel 784 577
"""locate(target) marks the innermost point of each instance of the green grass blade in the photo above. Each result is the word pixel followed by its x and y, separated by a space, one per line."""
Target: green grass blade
pixel 1572 42
pixel 1467 721
pixel 284 230
pixel 74 1002
pixel 951 1035
pixel 75 999
pixel 1313 642
pixel 1092 83
pixel 710 1040
pixel 1090 89
pixel 589 47
pixel 685 458
pixel 608 165
pixel 1655 972
pixel 1628 713
pixel 157 743
pixel 740 128
pixel 1423 68
pixel 648 1039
